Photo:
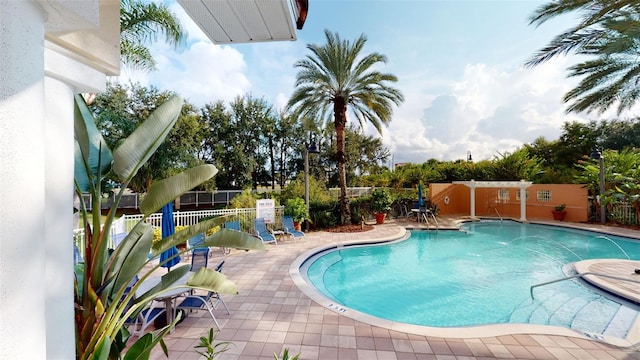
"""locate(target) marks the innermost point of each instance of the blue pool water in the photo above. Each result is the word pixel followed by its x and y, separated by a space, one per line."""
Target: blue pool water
pixel 479 275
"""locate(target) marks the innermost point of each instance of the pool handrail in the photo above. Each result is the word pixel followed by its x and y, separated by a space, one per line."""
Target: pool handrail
pixel 580 276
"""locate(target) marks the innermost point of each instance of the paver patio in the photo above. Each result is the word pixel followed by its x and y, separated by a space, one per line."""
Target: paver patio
pixel 270 313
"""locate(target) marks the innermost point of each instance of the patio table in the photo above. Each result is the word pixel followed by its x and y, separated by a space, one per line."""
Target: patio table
pixel 421 214
pixel 167 296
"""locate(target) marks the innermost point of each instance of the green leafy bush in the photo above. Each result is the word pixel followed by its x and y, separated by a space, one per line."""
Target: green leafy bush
pixel 297 209
pixel 324 214
pixel 381 200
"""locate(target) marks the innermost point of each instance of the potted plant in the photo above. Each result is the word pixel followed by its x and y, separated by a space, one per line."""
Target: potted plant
pixel 559 212
pixel 380 203
pixel 297 209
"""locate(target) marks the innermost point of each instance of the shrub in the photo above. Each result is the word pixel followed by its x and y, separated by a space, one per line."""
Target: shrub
pixel 324 214
pixel 245 200
pixel 297 209
pixel 381 200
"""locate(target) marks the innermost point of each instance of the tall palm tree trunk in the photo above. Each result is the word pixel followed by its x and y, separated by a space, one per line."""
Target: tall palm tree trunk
pixel 340 118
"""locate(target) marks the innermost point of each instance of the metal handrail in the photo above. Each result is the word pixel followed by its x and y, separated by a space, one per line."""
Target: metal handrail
pixel 434 219
pixel 579 276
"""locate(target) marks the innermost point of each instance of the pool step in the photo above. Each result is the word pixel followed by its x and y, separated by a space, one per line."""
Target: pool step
pixel 553 308
pixel 621 323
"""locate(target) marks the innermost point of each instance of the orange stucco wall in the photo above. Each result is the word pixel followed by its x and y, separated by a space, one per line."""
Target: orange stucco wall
pixel 488 203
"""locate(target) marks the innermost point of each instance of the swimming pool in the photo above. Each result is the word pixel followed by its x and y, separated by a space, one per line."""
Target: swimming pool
pixel 477 276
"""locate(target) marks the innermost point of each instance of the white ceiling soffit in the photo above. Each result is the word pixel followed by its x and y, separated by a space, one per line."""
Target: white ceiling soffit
pixel 242 21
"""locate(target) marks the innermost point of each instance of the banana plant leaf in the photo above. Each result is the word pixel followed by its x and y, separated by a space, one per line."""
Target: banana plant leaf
pixel 211 280
pixel 130 256
pixel 234 239
pixel 92 153
pixel 181 236
pixel 138 147
pixel 164 191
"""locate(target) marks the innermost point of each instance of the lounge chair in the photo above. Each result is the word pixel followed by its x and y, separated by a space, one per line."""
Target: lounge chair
pixel 209 301
pixel 199 258
pixel 195 242
pixel 262 232
pixel 232 225
pixel 289 229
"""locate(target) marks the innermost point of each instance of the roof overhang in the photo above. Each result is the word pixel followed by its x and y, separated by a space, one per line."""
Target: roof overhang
pixel 233 21
pixel 495 184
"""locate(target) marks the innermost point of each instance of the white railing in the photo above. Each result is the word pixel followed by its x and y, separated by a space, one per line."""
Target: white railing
pixel 624 213
pixel 209 198
pixel 181 218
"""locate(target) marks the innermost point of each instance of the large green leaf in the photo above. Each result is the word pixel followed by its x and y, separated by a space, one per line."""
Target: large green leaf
pixel 207 279
pixel 181 236
pixel 141 349
pixel 130 256
pixel 101 351
pixel 166 281
pixel 234 239
pixel 136 149
pixel 93 148
pixel 80 173
pixel 164 191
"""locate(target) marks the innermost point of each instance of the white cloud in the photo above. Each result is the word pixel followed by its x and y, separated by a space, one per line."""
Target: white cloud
pixel 488 111
pixel 201 74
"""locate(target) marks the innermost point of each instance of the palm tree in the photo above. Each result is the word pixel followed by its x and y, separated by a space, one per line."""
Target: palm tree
pixel 336 76
pixel 610 31
pixel 142 22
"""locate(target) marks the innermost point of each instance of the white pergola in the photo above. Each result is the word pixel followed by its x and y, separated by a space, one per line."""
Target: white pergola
pixel 522 185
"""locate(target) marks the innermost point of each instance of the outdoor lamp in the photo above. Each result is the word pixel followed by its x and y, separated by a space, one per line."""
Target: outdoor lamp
pixel 308 149
pixel 597 155
pixel 469 156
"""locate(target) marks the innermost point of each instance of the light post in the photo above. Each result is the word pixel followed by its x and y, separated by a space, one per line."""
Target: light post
pixel 469 158
pixel 596 154
pixel 308 149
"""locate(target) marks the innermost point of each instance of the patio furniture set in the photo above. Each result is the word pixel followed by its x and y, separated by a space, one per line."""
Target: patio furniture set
pixel 184 298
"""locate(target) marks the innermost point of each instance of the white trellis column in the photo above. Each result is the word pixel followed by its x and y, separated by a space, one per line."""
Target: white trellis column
pixel 523 200
pixel 472 187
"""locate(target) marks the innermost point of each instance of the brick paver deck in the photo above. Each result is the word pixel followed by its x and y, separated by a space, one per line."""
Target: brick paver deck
pixel 270 313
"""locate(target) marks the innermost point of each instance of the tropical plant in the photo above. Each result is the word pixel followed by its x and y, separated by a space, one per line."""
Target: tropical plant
pixel 560 207
pixel 211 349
pixel 609 31
pixel 297 209
pixel 122 108
pixel 246 199
pixel 285 355
pixel 104 299
pixel 381 200
pixel 140 22
pixel 296 188
pixel 333 78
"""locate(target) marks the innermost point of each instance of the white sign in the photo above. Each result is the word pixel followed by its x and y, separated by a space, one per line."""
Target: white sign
pixel 266 208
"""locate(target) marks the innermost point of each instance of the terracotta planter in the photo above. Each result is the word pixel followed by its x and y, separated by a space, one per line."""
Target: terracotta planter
pixel 558 215
pixel 380 218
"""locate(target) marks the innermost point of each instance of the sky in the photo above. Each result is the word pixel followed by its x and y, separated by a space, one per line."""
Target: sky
pixel 459 64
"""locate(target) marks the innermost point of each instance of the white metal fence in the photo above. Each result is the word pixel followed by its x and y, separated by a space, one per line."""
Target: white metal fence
pixel 209 198
pixel 624 213
pixel 181 218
